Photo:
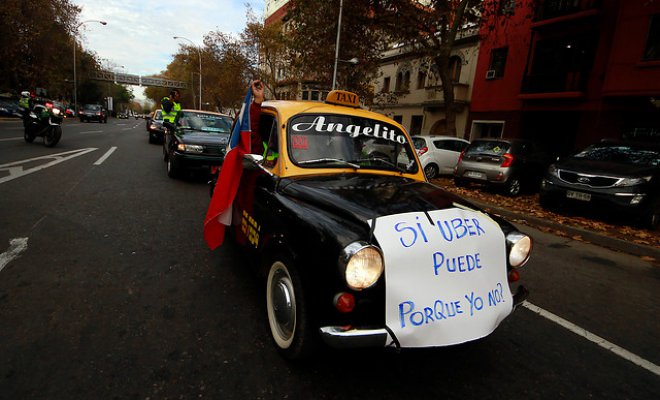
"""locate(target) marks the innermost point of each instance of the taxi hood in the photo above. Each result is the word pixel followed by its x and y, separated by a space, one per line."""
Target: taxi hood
pixel 362 197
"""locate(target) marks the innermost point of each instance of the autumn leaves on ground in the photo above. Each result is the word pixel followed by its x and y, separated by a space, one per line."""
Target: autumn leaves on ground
pixel 528 204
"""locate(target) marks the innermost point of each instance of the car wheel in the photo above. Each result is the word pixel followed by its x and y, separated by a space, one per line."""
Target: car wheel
pixel 431 171
pixel 547 201
pixel 287 312
pixel 172 169
pixel 653 215
pixel 513 187
pixel 460 182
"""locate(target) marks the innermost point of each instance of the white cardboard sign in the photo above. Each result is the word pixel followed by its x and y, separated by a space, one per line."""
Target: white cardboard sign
pixel 445 274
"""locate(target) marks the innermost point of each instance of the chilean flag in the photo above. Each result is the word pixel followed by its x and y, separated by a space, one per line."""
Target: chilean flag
pixel 220 209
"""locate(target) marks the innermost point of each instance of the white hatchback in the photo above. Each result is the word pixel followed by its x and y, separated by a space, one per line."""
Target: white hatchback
pixel 438 154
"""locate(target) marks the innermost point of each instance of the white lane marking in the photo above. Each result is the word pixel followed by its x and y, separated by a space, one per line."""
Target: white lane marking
pixel 16 171
pixel 106 155
pixel 11 138
pixel 16 247
pixel 86 132
pixel 621 352
pixel 128 129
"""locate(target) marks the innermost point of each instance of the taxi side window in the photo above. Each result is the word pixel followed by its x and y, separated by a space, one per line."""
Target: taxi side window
pixel 268 133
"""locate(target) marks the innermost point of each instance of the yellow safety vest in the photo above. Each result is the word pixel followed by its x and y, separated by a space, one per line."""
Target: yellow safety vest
pixel 171 116
pixel 24 102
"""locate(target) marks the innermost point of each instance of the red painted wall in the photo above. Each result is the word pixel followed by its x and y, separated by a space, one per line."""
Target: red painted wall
pixel 512 32
pixel 627 74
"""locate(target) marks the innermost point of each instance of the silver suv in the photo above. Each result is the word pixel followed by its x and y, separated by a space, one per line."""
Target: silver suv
pixel 511 164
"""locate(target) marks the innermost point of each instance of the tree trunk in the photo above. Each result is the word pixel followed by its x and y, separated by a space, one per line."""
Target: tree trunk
pixel 442 61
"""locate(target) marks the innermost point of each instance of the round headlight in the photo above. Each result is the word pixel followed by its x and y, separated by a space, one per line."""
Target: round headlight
pixel 363 265
pixel 520 248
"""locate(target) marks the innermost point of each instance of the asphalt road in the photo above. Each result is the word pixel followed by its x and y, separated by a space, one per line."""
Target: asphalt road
pixel 107 291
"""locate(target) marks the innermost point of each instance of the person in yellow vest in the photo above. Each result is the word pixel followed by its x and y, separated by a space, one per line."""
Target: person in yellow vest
pixel 171 107
pixel 25 104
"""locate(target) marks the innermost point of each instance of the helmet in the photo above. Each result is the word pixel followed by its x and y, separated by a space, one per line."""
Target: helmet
pixel 25 94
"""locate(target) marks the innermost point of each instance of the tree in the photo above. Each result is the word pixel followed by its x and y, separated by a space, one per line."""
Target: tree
pixel 231 72
pixel 313 40
pixel 430 29
pixel 269 46
pixel 34 34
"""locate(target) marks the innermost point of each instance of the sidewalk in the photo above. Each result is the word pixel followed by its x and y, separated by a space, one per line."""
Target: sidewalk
pixel 572 231
pixel 523 210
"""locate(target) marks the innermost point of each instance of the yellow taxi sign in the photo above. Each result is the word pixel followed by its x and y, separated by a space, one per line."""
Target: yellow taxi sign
pixel 343 98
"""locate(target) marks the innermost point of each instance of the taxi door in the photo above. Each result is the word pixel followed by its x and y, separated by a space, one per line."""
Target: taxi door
pixel 255 195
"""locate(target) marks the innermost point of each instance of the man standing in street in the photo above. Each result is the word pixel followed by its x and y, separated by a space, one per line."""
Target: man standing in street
pixel 171 107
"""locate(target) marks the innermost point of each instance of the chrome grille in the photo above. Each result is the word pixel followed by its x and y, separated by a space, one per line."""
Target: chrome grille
pixel 214 150
pixel 587 180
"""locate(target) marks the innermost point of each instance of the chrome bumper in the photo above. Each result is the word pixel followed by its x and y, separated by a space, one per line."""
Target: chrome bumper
pixel 338 337
pixel 347 338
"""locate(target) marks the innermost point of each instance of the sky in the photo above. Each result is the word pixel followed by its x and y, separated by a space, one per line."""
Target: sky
pixel 139 34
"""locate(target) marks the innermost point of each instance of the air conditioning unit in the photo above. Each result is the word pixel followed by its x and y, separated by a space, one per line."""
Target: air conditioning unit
pixel 490 74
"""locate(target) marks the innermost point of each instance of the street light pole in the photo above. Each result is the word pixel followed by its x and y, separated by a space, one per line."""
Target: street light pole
pixel 334 74
pixel 75 80
pixel 199 52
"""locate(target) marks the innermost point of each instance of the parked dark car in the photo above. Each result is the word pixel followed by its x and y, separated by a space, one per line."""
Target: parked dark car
pixel 356 248
pixel 9 108
pixel 513 165
pixel 155 127
pixel 93 112
pixel 198 141
pixel 617 177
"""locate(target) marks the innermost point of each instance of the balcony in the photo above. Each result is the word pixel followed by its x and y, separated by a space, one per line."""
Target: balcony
pixel 435 98
pixel 572 84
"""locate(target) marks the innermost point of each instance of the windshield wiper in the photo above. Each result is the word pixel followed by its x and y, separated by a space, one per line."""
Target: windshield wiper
pixel 329 160
pixel 382 161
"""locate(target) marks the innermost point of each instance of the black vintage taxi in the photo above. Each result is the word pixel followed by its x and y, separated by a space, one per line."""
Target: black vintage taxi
pixel 357 249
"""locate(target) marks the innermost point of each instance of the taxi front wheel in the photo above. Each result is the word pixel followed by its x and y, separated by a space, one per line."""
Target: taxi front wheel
pixel 287 311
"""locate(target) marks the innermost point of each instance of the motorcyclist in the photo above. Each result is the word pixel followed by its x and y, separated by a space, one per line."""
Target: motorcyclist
pixel 26 103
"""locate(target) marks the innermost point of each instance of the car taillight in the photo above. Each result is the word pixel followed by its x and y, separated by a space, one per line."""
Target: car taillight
pixel 508 160
pixel 422 150
pixel 49 105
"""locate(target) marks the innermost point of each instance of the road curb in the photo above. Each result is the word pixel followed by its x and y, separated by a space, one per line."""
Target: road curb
pixel 588 236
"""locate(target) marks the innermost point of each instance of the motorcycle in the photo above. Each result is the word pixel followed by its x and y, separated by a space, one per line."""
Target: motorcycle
pixel 44 121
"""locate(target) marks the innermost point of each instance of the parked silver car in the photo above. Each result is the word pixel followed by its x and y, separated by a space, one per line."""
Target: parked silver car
pixel 511 164
pixel 438 154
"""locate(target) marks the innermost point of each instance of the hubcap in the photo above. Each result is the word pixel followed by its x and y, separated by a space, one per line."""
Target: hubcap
pixel 281 305
pixel 514 188
pixel 430 171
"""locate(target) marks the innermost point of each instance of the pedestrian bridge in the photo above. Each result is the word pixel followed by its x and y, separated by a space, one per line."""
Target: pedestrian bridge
pixel 130 79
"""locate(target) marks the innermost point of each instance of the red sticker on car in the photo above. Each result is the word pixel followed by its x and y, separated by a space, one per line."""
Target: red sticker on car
pixel 299 142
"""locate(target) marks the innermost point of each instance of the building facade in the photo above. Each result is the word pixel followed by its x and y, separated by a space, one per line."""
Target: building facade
pixel 567 73
pixel 409 90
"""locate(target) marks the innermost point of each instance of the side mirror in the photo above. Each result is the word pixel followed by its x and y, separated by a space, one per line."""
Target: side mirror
pixel 252 162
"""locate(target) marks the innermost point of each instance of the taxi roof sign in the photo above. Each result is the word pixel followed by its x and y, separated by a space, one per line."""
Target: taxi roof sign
pixel 343 98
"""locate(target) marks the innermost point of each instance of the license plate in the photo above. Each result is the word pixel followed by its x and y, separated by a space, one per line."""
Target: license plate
pixel 578 195
pixel 475 175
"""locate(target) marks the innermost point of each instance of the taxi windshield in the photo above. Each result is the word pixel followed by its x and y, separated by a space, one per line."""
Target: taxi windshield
pixel 341 141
